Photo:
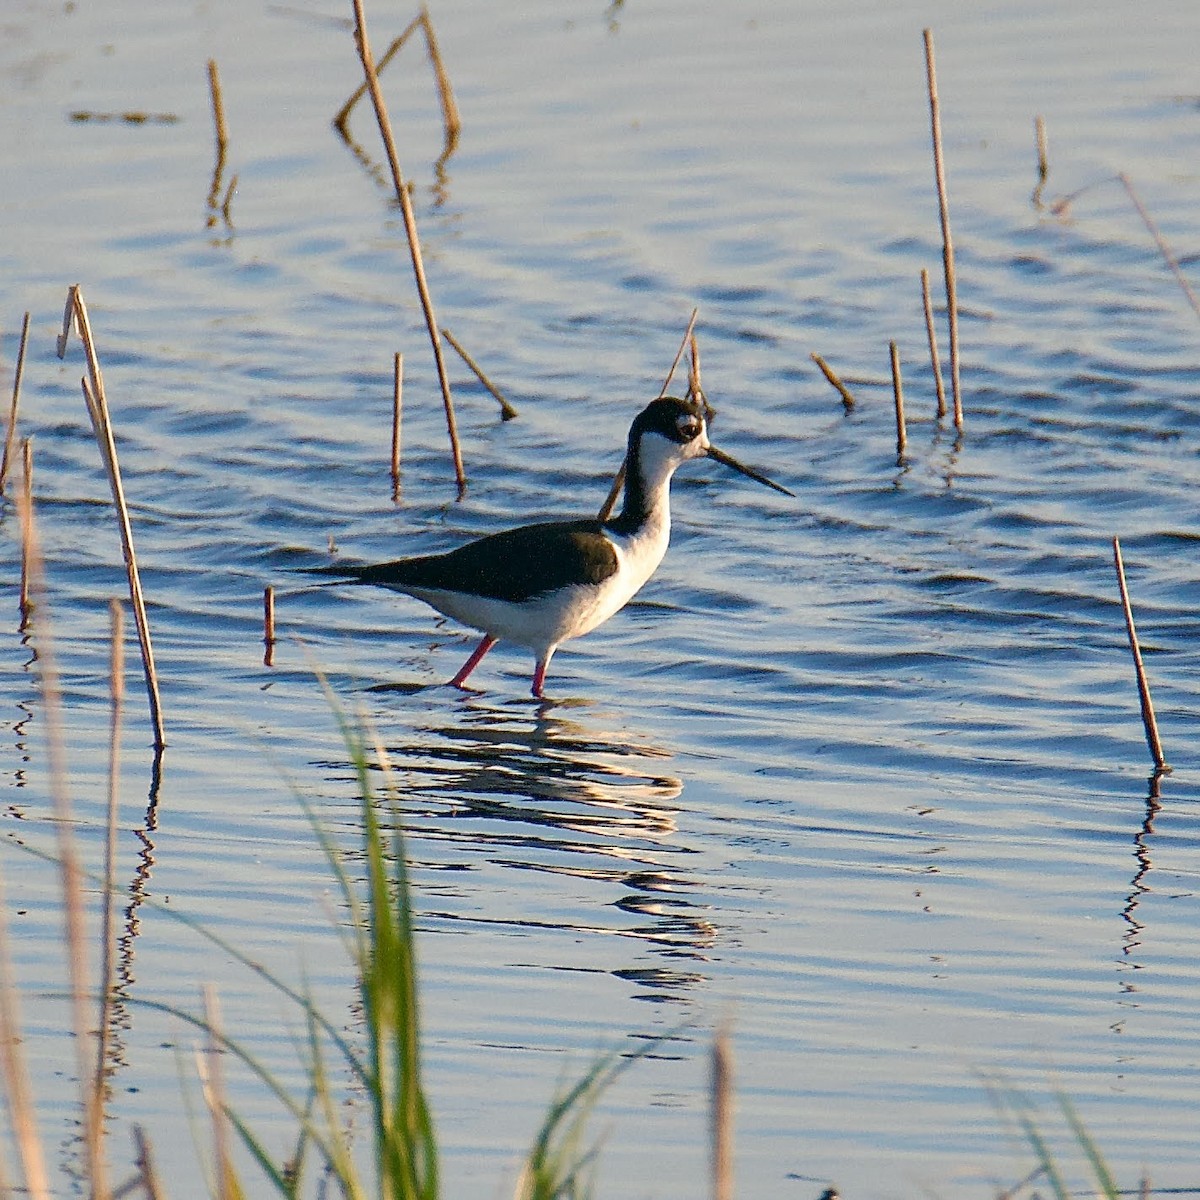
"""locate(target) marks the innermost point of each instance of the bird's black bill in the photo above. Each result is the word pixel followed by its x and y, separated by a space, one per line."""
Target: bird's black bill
pixel 722 457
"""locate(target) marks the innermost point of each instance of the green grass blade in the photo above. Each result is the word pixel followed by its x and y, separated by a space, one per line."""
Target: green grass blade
pixel 1108 1185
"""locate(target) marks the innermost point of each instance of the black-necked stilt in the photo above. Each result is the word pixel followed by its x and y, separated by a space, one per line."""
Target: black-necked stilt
pixel 539 585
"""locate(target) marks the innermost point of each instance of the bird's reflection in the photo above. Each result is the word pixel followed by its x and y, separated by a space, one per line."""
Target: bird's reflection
pixel 533 789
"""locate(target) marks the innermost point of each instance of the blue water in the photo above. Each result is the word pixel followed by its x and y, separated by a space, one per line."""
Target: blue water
pixel 861 773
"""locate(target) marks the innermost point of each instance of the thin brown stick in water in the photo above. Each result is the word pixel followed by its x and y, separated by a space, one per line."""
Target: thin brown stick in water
pixel 721 1116
pixel 828 372
pixel 145 1162
pixel 939 167
pixel 27 496
pixel 228 201
pixel 898 394
pixel 1148 720
pixel 10 438
pixel 451 122
pixel 410 228
pixel 1160 241
pixel 97 404
pixel 68 861
pixel 931 333
pixel 221 133
pixel 1043 157
pixel 397 413
pixel 610 501
pixel 507 411
pixel 269 625
pixel 116 683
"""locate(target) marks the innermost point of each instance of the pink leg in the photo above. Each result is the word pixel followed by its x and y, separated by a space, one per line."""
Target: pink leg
pixel 461 678
pixel 539 674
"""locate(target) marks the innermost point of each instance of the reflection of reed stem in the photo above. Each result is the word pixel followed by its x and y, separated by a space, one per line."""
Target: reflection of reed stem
pixel 10 437
pixel 931 333
pixel 410 229
pixel 939 167
pixel 898 394
pixel 1148 719
pixel 27 497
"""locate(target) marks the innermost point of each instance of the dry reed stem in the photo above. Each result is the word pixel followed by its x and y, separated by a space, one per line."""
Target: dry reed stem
pixel 610 501
pixel 1043 157
pixel 939 167
pixel 145 1163
pixel 269 626
pixel 212 1083
pixel 228 201
pixel 1148 720
pixel 10 437
pixel 27 497
pixel 931 333
pixel 695 390
pixel 451 122
pixel 221 134
pixel 828 372
pixel 18 1095
pixel 397 413
pixel 97 405
pixel 68 861
pixel 721 1116
pixel 410 228
pixel 898 394
pixel 1160 241
pixel 116 683
pixel 507 411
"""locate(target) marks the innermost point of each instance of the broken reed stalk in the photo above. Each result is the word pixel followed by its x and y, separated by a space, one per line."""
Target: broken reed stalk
pixel 27 496
pixel 939 167
pixel 97 405
pixel 1148 720
pixel 10 438
pixel 931 333
pixel 410 229
pixel 144 1160
pixel 451 122
pixel 68 861
pixel 1160 241
pixel 610 501
pixel 898 394
pixel 269 626
pixel 221 133
pixel 397 413
pixel 116 684
pixel 1043 157
pixel 507 412
pixel 695 391
pixel 721 1133
pixel 828 372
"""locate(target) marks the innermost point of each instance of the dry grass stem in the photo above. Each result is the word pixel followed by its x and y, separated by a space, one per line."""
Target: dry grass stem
pixel 269 626
pixel 27 499
pixel 506 410
pixel 212 1082
pixel 116 683
pixel 931 333
pixel 898 394
pixel 695 390
pixel 145 1163
pixel 1043 158
pixel 1148 720
pixel 939 167
pixel 69 868
pixel 228 201
pixel 828 372
pixel 97 405
pixel 10 438
pixel 221 133
pixel 721 1132
pixel 610 501
pixel 451 122
pixel 410 228
pixel 1160 241
pixel 397 413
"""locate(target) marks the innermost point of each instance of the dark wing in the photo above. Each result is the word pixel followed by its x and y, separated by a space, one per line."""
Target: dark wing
pixel 515 565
